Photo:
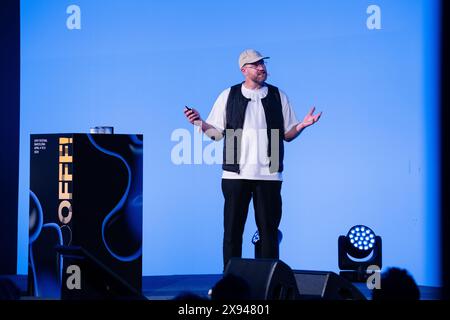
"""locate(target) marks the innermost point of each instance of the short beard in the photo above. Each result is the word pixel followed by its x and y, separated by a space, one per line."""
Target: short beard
pixel 257 79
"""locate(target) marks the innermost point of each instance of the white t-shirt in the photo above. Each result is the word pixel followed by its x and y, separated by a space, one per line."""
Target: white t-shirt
pixel 254 162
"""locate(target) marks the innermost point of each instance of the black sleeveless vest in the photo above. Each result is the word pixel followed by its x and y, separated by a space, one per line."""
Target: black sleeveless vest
pixel 235 115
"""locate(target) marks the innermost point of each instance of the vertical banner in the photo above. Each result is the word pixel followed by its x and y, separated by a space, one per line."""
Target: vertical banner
pixel 85 202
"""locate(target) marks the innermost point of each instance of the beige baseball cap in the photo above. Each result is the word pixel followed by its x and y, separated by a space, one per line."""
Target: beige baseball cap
pixel 250 56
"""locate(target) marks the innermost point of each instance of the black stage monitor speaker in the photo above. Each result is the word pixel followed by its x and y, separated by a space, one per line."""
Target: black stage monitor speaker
pixel 268 279
pixel 324 285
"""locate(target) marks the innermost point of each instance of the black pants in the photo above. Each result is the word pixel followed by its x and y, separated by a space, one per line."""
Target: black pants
pixel 267 204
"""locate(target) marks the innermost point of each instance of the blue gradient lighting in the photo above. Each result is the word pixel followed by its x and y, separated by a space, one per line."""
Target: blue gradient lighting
pixel 134 64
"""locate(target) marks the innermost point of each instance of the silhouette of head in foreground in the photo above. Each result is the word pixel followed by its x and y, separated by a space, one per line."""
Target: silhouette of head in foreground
pixel 231 287
pixel 8 290
pixel 188 296
pixel 396 284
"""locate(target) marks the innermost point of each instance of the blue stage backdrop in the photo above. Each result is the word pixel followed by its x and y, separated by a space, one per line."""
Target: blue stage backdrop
pixel 370 66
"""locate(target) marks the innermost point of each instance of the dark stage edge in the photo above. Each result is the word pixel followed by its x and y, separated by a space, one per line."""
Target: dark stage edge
pixel 167 287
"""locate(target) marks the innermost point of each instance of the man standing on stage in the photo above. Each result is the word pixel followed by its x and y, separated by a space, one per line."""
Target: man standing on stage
pixel 255 118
